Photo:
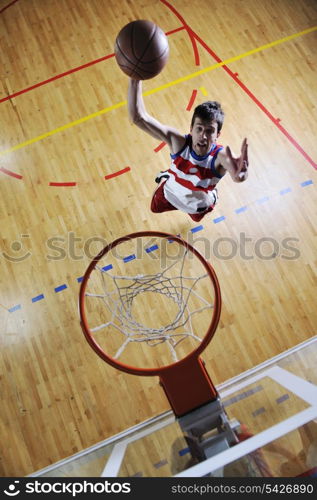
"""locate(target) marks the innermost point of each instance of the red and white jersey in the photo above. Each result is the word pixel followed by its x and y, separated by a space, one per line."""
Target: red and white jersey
pixel 192 179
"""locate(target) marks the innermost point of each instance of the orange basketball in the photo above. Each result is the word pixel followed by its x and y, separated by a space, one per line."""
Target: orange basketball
pixel 141 49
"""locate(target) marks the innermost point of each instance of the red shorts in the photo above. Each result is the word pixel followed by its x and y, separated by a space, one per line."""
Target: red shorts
pixel 160 204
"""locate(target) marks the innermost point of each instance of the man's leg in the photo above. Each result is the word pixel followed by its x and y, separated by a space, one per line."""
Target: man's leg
pixel 159 203
pixel 197 217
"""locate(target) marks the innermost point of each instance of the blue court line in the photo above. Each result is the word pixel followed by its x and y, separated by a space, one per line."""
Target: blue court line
pixel 241 209
pixel 306 183
pixel 60 288
pixel 282 398
pixel 129 258
pixel 160 463
pixel 259 411
pixel 38 297
pixel 183 451
pixel 242 395
pixel 264 199
pixel 15 308
pixel 219 219
pixel 197 228
pixel 107 268
pixel 286 190
pixel 172 241
pixel 151 249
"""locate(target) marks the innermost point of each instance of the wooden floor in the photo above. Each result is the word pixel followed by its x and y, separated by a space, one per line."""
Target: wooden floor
pixel 65 131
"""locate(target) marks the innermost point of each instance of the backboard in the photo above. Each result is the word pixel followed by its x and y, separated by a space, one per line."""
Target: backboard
pixel 273 408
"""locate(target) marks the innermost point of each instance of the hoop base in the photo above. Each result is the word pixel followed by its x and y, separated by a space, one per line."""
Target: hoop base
pixel 188 386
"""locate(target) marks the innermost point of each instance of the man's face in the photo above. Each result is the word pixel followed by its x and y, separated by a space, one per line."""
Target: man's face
pixel 204 134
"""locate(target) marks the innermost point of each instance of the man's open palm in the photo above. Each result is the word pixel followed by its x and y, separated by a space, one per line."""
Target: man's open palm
pixel 241 163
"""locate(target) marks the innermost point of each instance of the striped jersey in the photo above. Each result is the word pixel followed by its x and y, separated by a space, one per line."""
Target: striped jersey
pixel 192 179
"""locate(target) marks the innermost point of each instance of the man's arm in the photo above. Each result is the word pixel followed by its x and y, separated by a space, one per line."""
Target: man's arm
pixel 144 121
pixel 237 167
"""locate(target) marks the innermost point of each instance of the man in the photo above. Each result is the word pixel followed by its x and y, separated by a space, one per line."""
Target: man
pixel 197 162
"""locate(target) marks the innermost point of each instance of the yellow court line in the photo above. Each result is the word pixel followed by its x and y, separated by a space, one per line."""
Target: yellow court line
pixel 203 90
pixel 157 89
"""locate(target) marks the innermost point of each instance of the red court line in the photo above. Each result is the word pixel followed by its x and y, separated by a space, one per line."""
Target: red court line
pixel 167 33
pixel 12 174
pixel 7 6
pixel 56 77
pixel 192 100
pixel 190 32
pixel 195 48
pixel 189 106
pixel 120 172
pixel 69 72
pixel 59 184
pixel 276 121
pixel 159 147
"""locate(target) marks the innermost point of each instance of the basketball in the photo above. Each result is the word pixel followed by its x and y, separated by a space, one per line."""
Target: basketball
pixel 141 49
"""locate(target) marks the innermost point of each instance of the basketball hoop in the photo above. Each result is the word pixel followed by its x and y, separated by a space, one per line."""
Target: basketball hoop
pixel 143 301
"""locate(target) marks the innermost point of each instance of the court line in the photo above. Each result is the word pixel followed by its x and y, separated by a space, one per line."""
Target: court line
pixel 276 121
pixel 192 100
pixel 203 90
pixel 159 147
pixel 71 184
pixel 60 288
pixel 219 219
pixel 241 209
pixel 38 297
pixel 151 249
pixel 53 78
pixel 69 72
pixel 196 229
pixel 194 45
pixel 285 191
pixel 306 183
pixel 15 308
pixel 115 174
pixel 62 128
pixel 59 184
pixel 158 89
pixel 7 6
pixel 10 173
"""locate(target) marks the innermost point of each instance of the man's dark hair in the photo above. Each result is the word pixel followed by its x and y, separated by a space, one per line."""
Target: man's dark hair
pixel 209 111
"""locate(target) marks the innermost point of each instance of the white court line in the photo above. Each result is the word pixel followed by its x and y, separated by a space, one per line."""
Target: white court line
pixel 251 444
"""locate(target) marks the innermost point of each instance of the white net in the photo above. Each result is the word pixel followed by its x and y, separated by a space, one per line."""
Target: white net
pixel 121 292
